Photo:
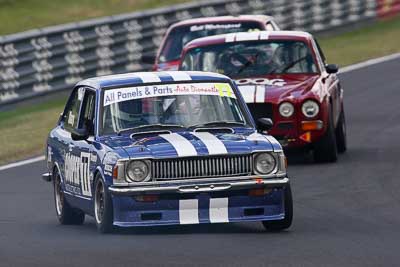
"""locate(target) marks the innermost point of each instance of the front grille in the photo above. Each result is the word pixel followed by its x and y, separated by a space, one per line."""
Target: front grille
pixel 202 167
pixel 260 110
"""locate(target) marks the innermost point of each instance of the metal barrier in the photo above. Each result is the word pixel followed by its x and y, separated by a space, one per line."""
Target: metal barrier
pixel 45 60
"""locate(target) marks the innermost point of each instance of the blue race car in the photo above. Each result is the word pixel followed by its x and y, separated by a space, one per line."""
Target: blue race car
pixel 143 149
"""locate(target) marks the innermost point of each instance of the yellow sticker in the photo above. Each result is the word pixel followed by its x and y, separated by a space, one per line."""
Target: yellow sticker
pixel 224 89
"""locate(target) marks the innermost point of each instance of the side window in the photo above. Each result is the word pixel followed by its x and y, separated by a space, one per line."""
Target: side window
pixel 320 51
pixel 87 116
pixel 71 114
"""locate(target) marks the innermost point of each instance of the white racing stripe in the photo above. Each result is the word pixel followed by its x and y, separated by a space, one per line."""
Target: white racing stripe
pixel 247 92
pixel 182 146
pixel 179 75
pixel 188 211
pixel 213 144
pixel 21 163
pixel 247 36
pixel 148 77
pixel 257 137
pixel 260 94
pixel 219 210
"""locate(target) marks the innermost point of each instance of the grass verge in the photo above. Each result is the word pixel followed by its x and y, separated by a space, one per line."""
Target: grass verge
pixel 23 131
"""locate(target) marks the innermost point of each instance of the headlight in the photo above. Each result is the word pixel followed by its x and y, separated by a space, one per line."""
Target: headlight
pixel 310 108
pixel 264 163
pixel 286 109
pixel 138 171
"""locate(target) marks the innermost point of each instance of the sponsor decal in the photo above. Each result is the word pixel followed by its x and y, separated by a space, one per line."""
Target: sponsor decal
pixel 130 93
pixel 206 27
pixel 108 169
pixel 71 118
pixel 77 174
pixel 262 81
pixel 93 157
pixel 49 154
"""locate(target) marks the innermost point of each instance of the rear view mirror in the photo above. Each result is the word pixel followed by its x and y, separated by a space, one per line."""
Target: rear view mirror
pixel 332 68
pixel 264 124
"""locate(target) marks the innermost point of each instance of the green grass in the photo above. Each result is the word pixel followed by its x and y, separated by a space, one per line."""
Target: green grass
pixel 22 15
pixel 23 131
pixel 376 40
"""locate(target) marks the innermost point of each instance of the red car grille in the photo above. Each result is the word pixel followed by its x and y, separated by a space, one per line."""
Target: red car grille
pixel 260 110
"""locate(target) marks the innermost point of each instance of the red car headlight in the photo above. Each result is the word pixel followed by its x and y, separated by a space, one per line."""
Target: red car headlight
pixel 286 109
pixel 310 108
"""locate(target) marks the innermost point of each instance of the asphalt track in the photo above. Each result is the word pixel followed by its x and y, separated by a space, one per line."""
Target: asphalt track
pixel 346 214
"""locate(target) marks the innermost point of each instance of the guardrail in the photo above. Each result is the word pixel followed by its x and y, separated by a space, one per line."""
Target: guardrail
pixel 46 60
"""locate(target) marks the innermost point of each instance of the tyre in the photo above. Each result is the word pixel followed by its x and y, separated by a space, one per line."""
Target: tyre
pixel 103 207
pixel 341 139
pixel 286 222
pixel 325 150
pixel 65 213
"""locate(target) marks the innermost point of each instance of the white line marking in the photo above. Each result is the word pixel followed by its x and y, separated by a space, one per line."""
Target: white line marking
pixel 188 211
pixel 213 144
pixel 219 210
pixel 21 163
pixel 369 62
pixel 182 146
pixel 179 75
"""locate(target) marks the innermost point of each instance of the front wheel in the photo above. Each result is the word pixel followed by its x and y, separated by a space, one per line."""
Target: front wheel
pixel 103 207
pixel 286 222
pixel 65 213
pixel 341 139
pixel 325 150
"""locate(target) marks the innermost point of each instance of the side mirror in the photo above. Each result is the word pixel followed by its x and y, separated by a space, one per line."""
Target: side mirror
pixel 80 134
pixel 332 68
pixel 264 124
pixel 149 58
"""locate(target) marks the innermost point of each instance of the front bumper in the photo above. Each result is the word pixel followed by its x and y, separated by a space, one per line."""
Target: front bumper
pixel 198 185
pixel 197 201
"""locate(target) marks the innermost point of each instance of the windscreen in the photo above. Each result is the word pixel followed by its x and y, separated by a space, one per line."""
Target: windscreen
pixel 186 105
pixel 180 36
pixel 250 59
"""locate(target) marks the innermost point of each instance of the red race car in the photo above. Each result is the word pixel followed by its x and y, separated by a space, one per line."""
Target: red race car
pixel 185 31
pixel 282 75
